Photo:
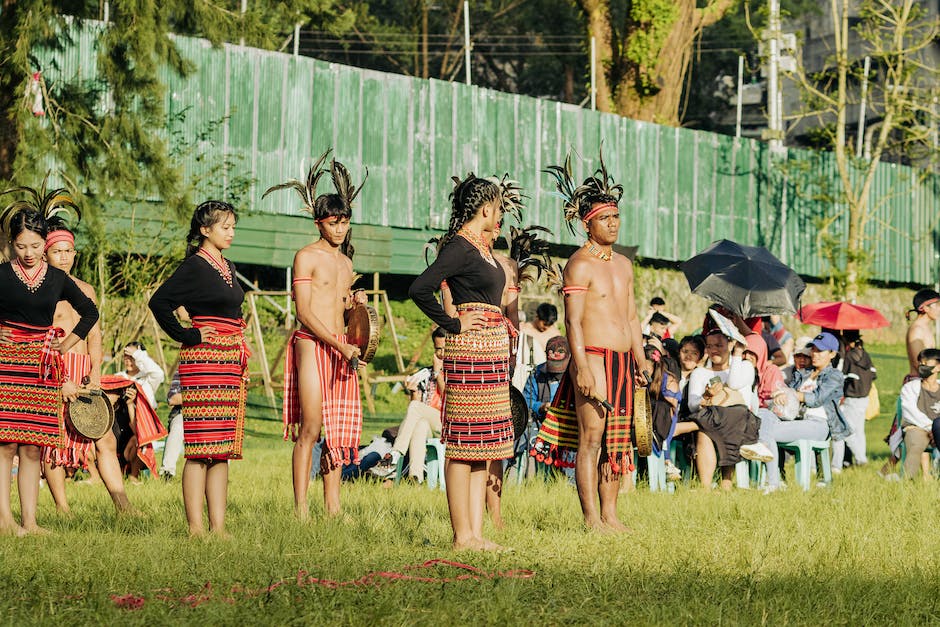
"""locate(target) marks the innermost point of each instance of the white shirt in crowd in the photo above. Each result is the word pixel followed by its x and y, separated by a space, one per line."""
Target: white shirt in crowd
pixel 149 378
pixel 739 376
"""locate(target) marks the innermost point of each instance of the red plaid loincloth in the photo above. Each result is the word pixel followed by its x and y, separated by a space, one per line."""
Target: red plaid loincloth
pixel 77 447
pixel 557 441
pixel 341 406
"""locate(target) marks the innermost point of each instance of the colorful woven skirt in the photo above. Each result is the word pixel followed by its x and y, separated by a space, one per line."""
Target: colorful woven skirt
pixel 30 388
pixel 341 407
pixel 77 447
pixel 477 423
pixel 213 378
pixel 557 441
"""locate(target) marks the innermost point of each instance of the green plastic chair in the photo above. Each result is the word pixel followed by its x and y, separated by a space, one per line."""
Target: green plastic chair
pixel 805 451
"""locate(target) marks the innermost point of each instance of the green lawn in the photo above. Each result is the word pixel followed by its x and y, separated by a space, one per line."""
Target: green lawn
pixel 860 552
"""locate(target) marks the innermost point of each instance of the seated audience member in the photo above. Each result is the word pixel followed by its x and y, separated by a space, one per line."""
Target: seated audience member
pixel 423 416
pixel 541 330
pixel 539 391
pixel 802 359
pixel 774 325
pixel 672 321
pixel 920 413
pixel 658 326
pixel 141 368
pixel 665 397
pixel 819 392
pixel 719 397
pixel 374 459
pixel 173 447
pixel 859 374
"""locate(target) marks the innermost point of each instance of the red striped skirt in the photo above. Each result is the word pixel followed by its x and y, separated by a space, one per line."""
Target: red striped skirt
pixel 30 388
pixel 341 405
pixel 213 378
pixel 77 447
pixel 477 424
pixel 147 425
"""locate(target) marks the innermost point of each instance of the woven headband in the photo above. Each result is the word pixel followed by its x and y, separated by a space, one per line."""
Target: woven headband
pixel 59 236
pixel 927 303
pixel 596 210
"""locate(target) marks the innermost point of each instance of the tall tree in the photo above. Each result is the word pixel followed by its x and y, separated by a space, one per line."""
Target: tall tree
pixel 644 50
pixel 898 35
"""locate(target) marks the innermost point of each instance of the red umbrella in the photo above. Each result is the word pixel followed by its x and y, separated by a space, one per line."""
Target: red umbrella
pixel 842 316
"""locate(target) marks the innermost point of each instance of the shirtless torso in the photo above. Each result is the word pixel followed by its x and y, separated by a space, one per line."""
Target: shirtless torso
pixel 920 335
pixel 66 318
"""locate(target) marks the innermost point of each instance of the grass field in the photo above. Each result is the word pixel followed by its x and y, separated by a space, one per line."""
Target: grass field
pixel 863 551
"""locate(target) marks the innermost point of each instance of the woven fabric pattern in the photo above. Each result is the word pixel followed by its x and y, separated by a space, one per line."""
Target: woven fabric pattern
pixel 213 378
pixel 477 424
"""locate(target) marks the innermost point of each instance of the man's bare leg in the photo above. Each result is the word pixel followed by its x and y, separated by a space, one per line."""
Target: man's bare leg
pixel 194 495
pixel 457 474
pixel 311 421
pixel 494 493
pixel 27 481
pixel 8 526
pixel 110 470
pixel 217 496
pixel 706 460
pixel 92 466
pixel 608 489
pixel 591 424
pixel 55 479
pixel 331 481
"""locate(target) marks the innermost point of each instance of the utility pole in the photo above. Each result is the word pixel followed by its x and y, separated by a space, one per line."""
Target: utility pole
pixel 424 39
pixel 775 122
pixel 466 38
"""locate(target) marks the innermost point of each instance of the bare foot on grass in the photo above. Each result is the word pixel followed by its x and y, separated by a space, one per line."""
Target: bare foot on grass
pixel 36 530
pixel 470 544
pixel 615 526
pixel 221 534
pixel 12 529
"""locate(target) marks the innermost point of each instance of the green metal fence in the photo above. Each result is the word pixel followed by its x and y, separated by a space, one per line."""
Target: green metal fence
pixel 683 188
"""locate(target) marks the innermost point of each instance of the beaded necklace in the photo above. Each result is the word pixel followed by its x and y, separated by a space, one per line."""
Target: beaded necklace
pixel 32 282
pixel 221 267
pixel 479 243
pixel 597 252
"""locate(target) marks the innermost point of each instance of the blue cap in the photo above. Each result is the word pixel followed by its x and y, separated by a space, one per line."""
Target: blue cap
pixel 826 342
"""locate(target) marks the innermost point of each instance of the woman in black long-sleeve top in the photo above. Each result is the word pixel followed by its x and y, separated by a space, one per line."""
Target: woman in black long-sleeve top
pixel 477 428
pixel 213 361
pixel 32 381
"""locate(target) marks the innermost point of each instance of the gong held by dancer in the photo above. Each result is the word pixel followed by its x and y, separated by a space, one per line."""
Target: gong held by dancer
pixel 591 414
pixel 213 361
pixel 321 386
pixel 477 426
pixel 31 364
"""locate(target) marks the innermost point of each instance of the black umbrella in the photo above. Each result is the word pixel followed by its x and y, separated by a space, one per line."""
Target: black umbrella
pixel 748 280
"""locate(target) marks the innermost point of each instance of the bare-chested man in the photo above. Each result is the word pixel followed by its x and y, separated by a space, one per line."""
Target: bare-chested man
pixel 86 357
pixel 607 355
pixel 321 388
pixel 922 332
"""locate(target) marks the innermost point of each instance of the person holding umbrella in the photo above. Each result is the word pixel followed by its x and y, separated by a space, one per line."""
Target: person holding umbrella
pixel 592 410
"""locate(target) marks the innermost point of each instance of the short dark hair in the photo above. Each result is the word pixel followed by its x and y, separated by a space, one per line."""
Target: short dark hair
pixel 438 333
pixel 659 318
pixel 929 353
pixel 137 344
pixel 657 300
pixel 547 313
pixel 697 340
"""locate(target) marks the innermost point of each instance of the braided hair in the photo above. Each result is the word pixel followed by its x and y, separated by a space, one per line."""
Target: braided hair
pixel 468 196
pixel 207 214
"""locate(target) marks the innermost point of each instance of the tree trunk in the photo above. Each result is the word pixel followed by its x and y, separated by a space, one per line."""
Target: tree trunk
pixel 647 90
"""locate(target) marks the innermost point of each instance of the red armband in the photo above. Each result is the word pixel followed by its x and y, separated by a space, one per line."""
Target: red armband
pixel 573 289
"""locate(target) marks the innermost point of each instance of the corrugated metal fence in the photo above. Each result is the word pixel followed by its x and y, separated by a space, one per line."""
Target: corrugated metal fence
pixel 683 189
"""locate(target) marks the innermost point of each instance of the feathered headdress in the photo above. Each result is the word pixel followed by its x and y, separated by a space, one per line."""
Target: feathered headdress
pixel 529 251
pixel 306 190
pixel 577 197
pixel 510 196
pixel 51 204
pixel 343 183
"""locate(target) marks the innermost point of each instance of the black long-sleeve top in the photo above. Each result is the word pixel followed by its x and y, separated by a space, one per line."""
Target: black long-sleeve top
pixel 37 308
pixel 197 286
pixel 469 276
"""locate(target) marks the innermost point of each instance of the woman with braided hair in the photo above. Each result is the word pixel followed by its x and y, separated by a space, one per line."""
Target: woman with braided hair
pixel 318 354
pixel 213 361
pixel 477 427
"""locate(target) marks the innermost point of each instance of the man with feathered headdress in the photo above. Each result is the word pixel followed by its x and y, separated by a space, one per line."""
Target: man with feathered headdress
pixel 318 354
pixel 589 422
